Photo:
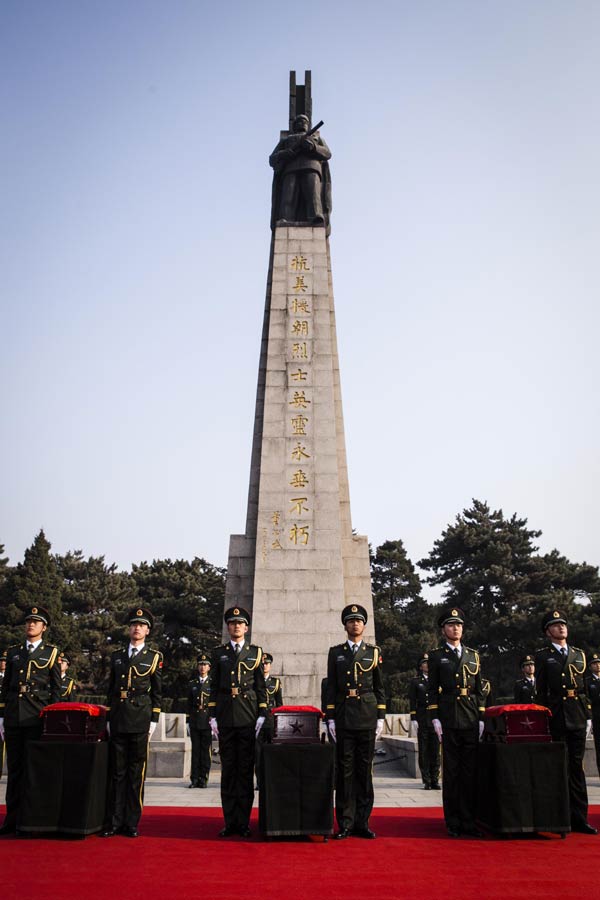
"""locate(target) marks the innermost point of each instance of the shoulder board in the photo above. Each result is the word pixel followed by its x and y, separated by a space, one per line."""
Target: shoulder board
pixel 576 649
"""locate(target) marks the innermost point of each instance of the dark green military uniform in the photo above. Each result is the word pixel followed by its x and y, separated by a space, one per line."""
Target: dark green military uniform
pixel 3 662
pixel 561 687
pixel 274 699
pixel 355 701
pixel 198 720
pixel 593 691
pixel 31 681
pixel 456 700
pixel 134 697
pixel 427 741
pixel 525 691
pixel 237 698
pixel 67 689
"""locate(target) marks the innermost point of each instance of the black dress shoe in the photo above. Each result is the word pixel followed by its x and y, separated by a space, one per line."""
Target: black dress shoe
pixel 435 786
pixel 453 832
pixel 586 828
pixel 228 831
pixel 130 832
pixel 244 832
pixel 426 787
pixel 7 829
pixel 364 833
pixel 193 784
pixel 202 784
pixel 108 832
pixel 343 834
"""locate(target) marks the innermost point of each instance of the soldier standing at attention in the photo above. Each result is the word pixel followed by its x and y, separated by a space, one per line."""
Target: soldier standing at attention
pixel 67 685
pixel 134 698
pixel 593 690
pixel 525 686
pixel 31 681
pixel 238 707
pixel 355 716
pixel 561 687
pixel 274 699
pixel 429 746
pixel 198 726
pixel 456 707
pixel 2 671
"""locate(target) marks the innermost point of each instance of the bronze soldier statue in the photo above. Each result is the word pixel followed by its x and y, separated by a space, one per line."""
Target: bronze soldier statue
pixel 301 181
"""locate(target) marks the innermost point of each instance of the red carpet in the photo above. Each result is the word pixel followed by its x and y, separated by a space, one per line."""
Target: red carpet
pixel 179 856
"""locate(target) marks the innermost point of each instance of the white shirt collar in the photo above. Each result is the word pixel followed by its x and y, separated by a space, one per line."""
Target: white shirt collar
pixel 240 645
pixel 139 649
pixel 351 644
pixel 559 648
pixel 458 647
pixel 34 644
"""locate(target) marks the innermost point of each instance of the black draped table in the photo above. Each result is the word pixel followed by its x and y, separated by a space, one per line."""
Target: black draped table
pixel 65 788
pixel 523 788
pixel 296 794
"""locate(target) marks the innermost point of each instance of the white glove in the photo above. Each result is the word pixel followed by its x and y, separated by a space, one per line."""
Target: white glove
pixel 437 727
pixel 108 728
pixel 588 728
pixel 378 728
pixel 481 727
pixel 259 724
pixel 152 729
pixel 214 728
pixel 415 727
pixel 331 729
pixel 1 729
pixel 187 730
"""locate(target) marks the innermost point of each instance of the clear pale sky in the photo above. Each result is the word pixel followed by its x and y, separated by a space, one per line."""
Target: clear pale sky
pixel 134 252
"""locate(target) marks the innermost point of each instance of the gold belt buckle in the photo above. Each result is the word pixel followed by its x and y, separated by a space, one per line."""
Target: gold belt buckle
pixel 123 695
pixel 570 693
pixel 22 688
pixel 234 691
pixel 353 692
pixel 464 692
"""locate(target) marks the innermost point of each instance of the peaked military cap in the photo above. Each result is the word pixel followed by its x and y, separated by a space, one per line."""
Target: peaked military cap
pixel 450 615
pixel 423 659
pixel 556 617
pixel 354 611
pixel 267 658
pixel 594 657
pixel 237 614
pixel 140 614
pixel 38 613
pixel 203 658
pixel 65 656
pixel 3 656
pixel 527 660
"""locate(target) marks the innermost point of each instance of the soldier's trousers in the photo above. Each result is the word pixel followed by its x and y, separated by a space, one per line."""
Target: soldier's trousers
pixel 459 751
pixel 596 727
pixel 16 740
pixel 429 754
pixel 201 753
pixel 236 748
pixel 128 756
pixel 305 185
pixel 578 798
pixel 354 777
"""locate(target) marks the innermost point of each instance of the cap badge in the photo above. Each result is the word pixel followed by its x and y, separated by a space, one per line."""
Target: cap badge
pixel 140 612
pixel 454 612
pixel 236 611
pixel 355 609
pixel 34 610
pixel 556 615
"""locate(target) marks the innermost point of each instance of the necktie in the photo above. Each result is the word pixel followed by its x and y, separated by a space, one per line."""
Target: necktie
pixel 456 652
pixel 237 649
pixel 354 648
pixel 133 652
pixel 563 650
pixel 30 648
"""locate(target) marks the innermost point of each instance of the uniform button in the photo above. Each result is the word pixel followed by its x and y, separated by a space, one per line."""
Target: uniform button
pixel 347 673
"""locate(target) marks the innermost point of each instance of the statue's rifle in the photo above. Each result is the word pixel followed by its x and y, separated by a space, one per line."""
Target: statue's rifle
pixel 303 137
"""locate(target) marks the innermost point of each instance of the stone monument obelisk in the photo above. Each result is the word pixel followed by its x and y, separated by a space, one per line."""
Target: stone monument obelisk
pixel 299 563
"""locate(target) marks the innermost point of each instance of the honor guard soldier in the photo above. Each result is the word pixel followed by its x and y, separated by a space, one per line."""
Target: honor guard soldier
pixel 456 707
pixel 198 726
pixel 525 686
pixel 134 698
pixel 31 681
pixel 488 694
pixel 274 699
pixel 2 671
pixel 355 716
pixel 238 707
pixel 67 684
pixel 429 746
pixel 593 691
pixel 560 671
